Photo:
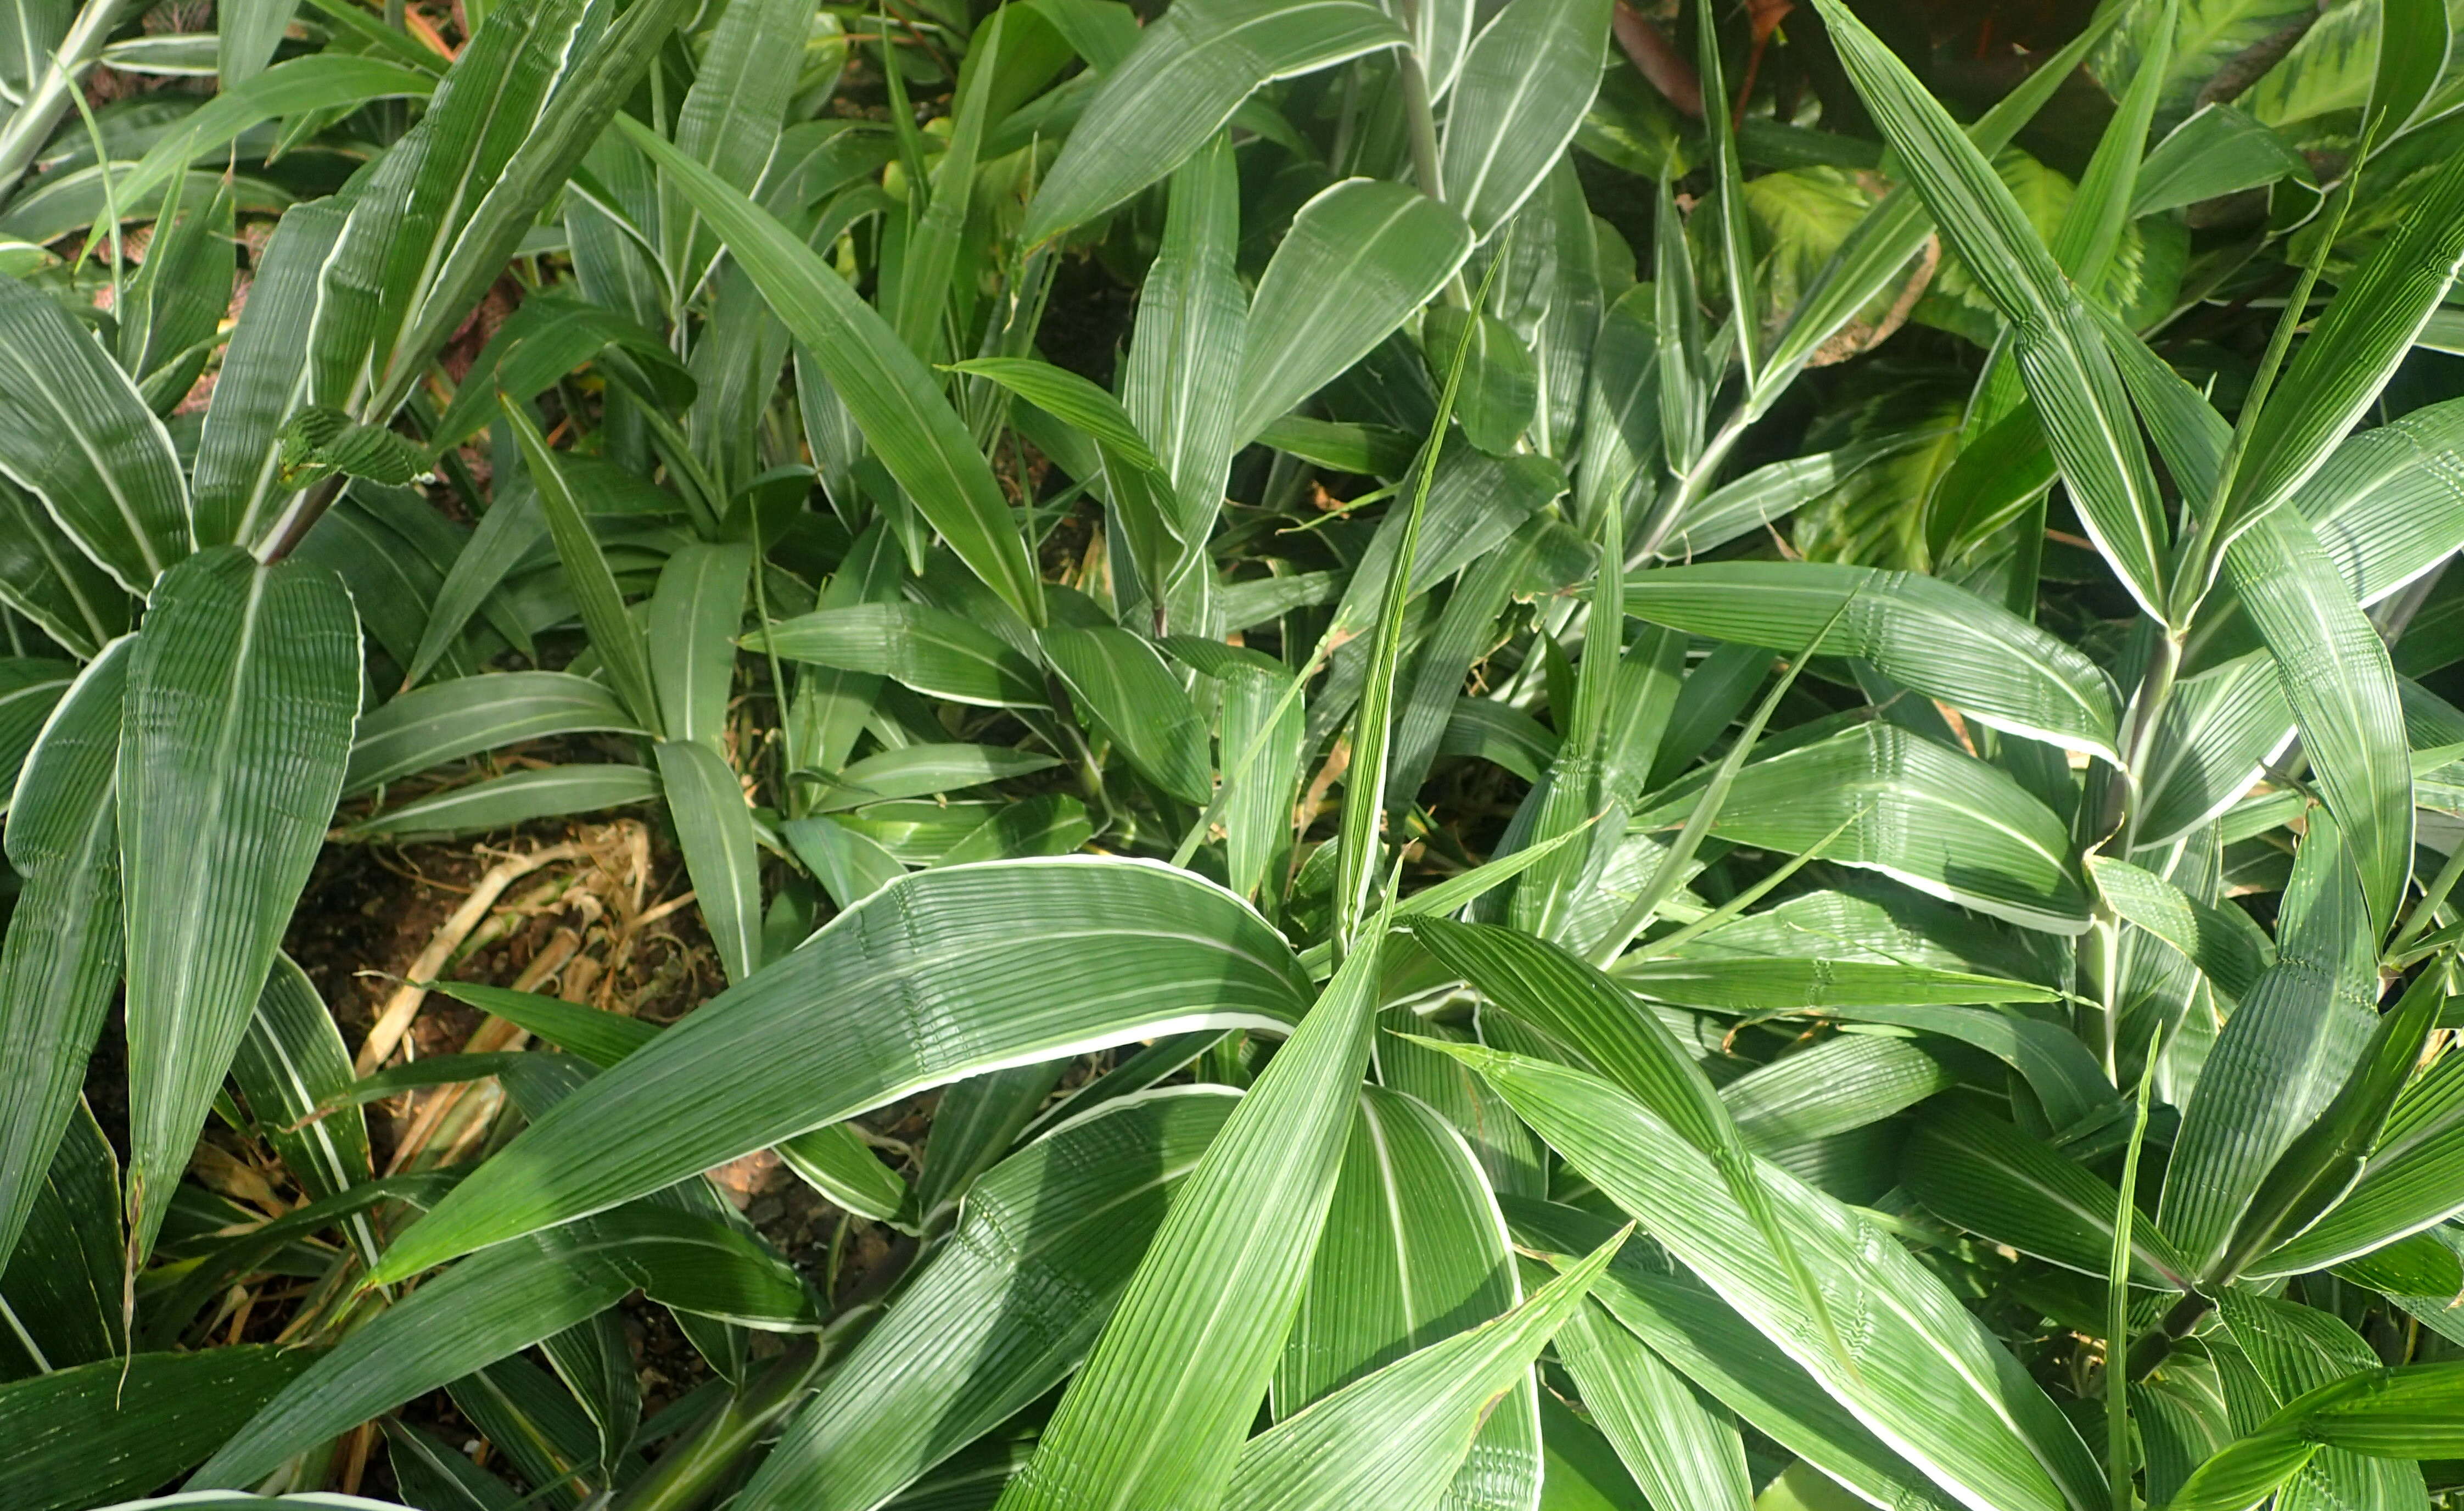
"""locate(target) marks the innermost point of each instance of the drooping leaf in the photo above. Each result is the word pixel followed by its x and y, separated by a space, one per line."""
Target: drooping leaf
pixel 799 1045
pixel 1190 70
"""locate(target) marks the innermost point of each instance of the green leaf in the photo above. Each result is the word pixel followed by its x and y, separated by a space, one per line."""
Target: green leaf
pixel 60 1288
pixel 2334 671
pixel 2070 375
pixel 241 691
pixel 2408 1183
pixel 502 1302
pixel 2282 1056
pixel 731 118
pixel 44 577
pixel 1361 256
pixel 1980 1174
pixel 1584 1010
pixel 1525 86
pixel 1190 72
pixel 692 625
pixel 540 792
pixel 833 1160
pixel 1067 1217
pixel 1943 823
pixel 266 373
pixel 613 632
pixel 1192 327
pixel 714 830
pixel 120 1426
pixel 1919 1371
pixel 824 1034
pixel 1703 1338
pixel 1258 810
pixel 1397 1436
pixel 290 1067
pixel 317 442
pixel 1875 258
pixel 2223 950
pixel 919 771
pixel 892 394
pixel 1118 681
pixel 1813 985
pixel 327 80
pixel 2354 348
pixel 934 651
pixel 1413 1248
pixel 1682 1449
pixel 1157 1414
pixel 2385 505
pixel 2218 151
pixel 1135 484
pixel 63 954
pixel 443 722
pixel 1936 639
pixel 75 433
pixel 524 100
pixel 2409 1412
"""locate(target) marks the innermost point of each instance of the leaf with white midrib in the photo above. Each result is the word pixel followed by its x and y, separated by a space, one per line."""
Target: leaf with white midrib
pixel 241 692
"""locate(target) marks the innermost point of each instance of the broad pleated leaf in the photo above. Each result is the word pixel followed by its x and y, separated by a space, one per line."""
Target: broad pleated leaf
pixel 1921 632
pixel 1526 84
pixel 1584 1010
pixel 930 649
pixel 502 1302
pixel 121 1427
pixel 2280 1057
pixel 538 791
pixel 941 975
pixel 63 954
pixel 890 391
pixel 1981 1173
pixel 1065 1219
pixel 1921 1373
pixel 2224 952
pixel 320 81
pixel 2409 1412
pixel 1941 822
pixel 444 721
pixel 2078 394
pixel 2369 328
pixel 1397 1437
pixel 2334 671
pixel 2218 730
pixel 1681 1448
pixel 44 577
pixel 1360 258
pixel 1190 70
pixel 692 625
pixel 1414 1250
pixel 2385 505
pixel 1708 1342
pixel 1119 683
pixel 75 433
pixel 714 830
pixel 1158 1416
pixel 833 1160
pixel 241 692
pixel 290 1067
